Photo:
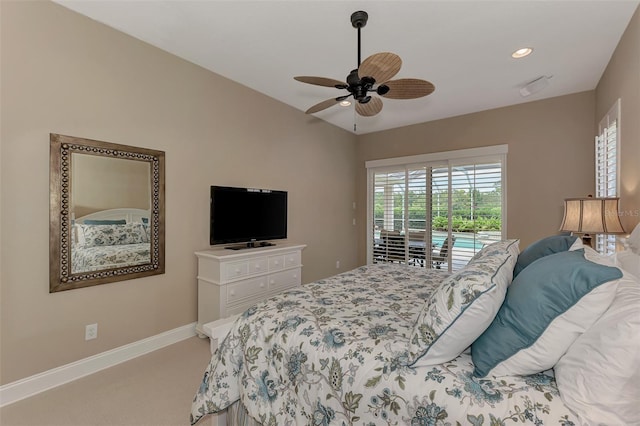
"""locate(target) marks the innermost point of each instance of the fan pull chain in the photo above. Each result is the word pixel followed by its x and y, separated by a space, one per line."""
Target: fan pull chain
pixel 355 116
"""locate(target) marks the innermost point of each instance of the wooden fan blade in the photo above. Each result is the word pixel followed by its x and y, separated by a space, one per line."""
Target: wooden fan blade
pixel 408 88
pixel 321 81
pixel 381 66
pixel 322 105
pixel 369 109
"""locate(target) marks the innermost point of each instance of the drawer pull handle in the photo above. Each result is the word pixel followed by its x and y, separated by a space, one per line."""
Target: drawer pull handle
pixel 261 285
pixel 273 281
pixel 233 293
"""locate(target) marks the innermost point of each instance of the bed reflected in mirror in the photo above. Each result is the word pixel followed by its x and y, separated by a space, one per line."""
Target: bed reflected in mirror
pixel 111 238
pixel 107 212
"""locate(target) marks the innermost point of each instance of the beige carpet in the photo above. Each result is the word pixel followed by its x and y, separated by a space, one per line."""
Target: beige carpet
pixel 155 390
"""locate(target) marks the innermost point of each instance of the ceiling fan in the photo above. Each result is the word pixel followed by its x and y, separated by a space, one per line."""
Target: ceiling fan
pixel 373 76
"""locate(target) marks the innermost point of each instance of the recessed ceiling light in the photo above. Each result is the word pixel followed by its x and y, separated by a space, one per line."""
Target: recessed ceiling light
pixel 521 53
pixel 345 103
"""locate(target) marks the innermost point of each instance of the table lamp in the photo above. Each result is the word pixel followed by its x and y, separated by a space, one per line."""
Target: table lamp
pixel 591 215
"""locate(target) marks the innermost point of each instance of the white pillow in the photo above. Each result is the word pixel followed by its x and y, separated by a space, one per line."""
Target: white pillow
pixel 463 306
pixel 628 261
pixel 599 376
pixel 634 240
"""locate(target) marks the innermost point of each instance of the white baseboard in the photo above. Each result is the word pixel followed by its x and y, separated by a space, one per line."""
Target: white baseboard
pixel 41 382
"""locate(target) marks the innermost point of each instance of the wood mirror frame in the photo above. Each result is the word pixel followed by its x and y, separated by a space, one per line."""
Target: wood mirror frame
pixel 62 219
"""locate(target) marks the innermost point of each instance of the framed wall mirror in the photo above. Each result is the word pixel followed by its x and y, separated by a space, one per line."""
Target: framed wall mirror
pixel 106 212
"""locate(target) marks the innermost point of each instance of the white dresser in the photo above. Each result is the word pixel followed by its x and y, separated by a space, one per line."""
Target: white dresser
pixel 230 281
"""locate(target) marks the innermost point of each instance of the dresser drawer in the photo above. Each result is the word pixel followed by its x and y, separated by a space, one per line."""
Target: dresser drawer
pixel 282 261
pixel 285 279
pixel 257 266
pixel 276 263
pixel 292 259
pixel 246 289
pixel 236 269
pixel 238 309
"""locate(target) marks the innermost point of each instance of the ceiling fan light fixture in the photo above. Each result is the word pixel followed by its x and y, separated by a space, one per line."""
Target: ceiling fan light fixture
pixel 521 53
pixel 376 70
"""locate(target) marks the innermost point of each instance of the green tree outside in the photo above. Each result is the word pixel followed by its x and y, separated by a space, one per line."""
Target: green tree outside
pixel 472 211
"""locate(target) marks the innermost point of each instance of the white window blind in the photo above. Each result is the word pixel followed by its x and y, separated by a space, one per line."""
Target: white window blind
pixel 607 154
pixel 435 213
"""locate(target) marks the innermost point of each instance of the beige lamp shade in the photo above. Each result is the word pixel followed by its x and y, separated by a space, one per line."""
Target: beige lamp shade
pixel 591 216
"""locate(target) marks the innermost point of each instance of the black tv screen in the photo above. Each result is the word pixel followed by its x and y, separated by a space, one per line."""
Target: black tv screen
pixel 246 214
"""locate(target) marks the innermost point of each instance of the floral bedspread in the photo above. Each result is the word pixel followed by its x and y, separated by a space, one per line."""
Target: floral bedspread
pixel 98 258
pixel 334 352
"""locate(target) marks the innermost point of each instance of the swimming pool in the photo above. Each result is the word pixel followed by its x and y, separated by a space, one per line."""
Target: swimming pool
pixel 462 241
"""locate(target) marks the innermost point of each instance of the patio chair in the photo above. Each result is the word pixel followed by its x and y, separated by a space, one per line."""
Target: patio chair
pixel 442 256
pixel 393 246
pixel 417 247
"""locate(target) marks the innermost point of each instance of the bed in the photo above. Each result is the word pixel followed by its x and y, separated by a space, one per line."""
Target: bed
pixel 108 239
pixel 394 344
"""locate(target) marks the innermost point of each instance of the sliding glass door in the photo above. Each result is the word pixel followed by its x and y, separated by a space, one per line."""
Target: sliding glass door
pixel 435 214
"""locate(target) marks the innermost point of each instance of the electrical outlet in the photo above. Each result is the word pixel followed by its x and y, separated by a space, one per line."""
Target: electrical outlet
pixel 91 332
pixel 337 264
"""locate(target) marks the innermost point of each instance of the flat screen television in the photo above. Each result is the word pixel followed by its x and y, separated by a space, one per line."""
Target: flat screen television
pixel 247 215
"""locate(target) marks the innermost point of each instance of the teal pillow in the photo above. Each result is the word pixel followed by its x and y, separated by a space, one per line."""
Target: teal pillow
pixel 105 222
pixel 553 301
pixel 541 248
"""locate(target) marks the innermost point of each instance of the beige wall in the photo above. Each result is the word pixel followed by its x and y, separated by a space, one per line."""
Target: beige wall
pixel 64 73
pixel 621 80
pixel 550 156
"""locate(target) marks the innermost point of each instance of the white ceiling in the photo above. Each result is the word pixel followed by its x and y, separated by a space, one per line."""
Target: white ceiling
pixel 463 47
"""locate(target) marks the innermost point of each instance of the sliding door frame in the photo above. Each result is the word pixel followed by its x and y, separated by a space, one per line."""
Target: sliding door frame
pixel 495 153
